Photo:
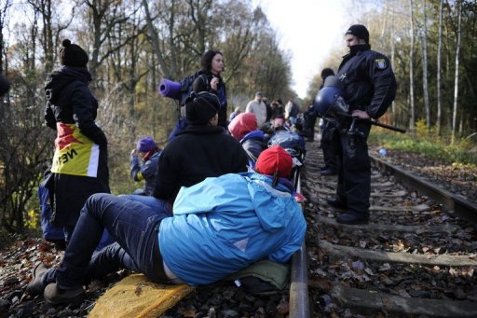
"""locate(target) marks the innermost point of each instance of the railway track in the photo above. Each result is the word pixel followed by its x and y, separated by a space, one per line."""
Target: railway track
pixel 416 257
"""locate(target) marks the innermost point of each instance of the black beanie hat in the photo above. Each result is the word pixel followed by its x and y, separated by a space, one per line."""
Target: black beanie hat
pixel 73 55
pixel 359 31
pixel 327 72
pixel 201 107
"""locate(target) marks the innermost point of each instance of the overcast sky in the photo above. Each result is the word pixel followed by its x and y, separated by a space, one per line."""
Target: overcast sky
pixel 309 30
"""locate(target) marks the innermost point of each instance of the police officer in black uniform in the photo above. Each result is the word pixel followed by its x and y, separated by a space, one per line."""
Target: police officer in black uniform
pixel 369 87
pixel 329 138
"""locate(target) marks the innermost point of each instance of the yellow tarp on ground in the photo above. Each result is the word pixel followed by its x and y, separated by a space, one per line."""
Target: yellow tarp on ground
pixel 135 296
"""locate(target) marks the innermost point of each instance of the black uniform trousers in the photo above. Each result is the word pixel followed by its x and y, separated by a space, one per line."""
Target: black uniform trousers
pixel 329 144
pixel 354 168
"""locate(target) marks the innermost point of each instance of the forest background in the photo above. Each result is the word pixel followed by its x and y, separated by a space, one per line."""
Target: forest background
pixel 133 44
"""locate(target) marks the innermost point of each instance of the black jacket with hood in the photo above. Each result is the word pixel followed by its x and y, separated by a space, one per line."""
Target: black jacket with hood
pixel 70 101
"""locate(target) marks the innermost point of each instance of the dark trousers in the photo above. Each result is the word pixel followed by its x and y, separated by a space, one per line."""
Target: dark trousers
pixel 354 173
pixel 134 226
pixel 329 145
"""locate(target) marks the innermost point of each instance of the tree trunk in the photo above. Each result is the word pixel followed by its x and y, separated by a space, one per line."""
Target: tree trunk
pixel 439 66
pixel 425 86
pixel 411 71
pixel 456 78
pixel 162 66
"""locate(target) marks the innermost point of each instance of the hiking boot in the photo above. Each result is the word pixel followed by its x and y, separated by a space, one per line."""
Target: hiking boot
pixel 352 218
pixel 55 295
pixel 36 286
pixel 336 203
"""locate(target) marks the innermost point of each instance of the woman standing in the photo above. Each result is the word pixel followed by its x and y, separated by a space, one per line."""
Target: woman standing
pixel 80 162
pixel 209 79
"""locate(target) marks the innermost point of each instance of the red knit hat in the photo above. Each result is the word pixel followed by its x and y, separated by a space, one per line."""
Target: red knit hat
pixel 275 160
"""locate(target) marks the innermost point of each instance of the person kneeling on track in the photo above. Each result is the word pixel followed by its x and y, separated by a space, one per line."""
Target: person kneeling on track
pixel 220 226
pixel 144 161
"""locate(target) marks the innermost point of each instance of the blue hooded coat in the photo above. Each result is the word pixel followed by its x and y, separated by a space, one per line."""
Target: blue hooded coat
pixel 226 223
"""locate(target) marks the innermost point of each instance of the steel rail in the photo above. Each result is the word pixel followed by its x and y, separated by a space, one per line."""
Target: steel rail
pixel 299 304
pixel 452 202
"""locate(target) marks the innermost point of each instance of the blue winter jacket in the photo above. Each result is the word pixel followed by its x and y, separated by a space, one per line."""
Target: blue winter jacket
pixel 226 223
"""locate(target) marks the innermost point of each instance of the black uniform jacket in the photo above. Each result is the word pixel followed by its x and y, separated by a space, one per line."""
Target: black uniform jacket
pixel 368 80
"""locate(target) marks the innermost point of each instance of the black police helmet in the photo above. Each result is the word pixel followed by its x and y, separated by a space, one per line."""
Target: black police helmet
pixel 327 96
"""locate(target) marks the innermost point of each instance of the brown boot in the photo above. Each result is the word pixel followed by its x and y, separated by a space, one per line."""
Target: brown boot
pixel 55 295
pixel 36 286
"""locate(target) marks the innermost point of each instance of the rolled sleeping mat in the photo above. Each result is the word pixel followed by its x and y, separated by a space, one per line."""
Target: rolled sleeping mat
pixel 169 88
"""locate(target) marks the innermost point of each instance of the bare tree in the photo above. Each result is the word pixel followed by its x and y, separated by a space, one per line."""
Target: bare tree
pixel 105 16
pixel 3 13
pixel 241 34
pixel 25 152
pixel 425 86
pixel 51 27
pixel 411 70
pixel 456 77
pixel 162 66
pixel 439 67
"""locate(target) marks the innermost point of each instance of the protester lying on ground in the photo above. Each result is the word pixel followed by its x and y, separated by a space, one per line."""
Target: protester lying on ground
pixel 220 226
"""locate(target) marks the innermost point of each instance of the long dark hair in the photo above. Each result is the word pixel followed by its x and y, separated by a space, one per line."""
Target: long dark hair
pixel 206 60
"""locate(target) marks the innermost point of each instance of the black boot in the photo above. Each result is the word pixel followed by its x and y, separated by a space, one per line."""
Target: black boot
pixel 337 203
pixel 352 217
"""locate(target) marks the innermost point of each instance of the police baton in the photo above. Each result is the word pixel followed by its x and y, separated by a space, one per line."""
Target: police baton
pixel 376 123
pixel 393 128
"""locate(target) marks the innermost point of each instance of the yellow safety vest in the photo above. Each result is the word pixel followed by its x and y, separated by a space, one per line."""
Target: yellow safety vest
pixel 75 154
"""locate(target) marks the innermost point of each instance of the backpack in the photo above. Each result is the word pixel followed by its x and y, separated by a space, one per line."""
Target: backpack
pixel 292 142
pixel 187 87
pixel 45 195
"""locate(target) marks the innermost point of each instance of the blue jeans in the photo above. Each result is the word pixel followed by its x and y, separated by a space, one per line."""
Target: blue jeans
pixel 150 201
pixel 132 224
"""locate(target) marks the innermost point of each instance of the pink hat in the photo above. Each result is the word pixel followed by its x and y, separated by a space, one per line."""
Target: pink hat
pixel 242 124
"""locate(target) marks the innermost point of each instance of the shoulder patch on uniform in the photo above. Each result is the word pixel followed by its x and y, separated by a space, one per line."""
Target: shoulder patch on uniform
pixel 380 63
